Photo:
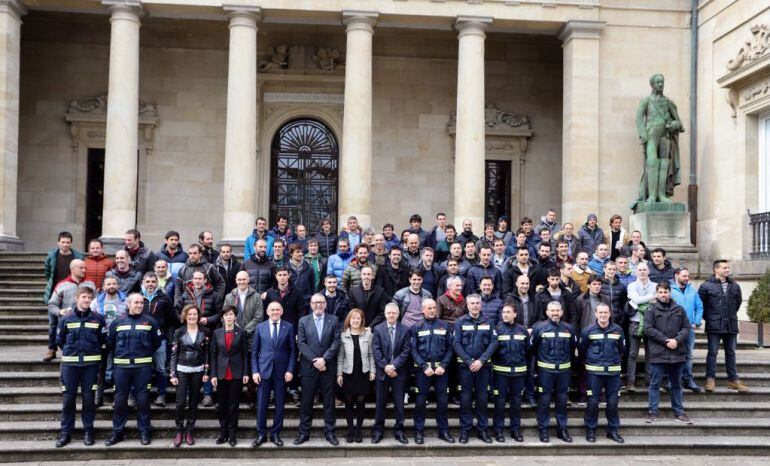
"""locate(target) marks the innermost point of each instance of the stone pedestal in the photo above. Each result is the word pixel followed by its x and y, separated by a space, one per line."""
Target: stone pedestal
pixel 667 226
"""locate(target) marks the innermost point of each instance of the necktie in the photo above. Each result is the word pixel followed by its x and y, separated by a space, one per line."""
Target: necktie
pixel 319 326
pixel 275 332
pixel 392 331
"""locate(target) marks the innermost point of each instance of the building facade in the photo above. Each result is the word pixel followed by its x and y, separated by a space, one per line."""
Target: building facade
pixel 197 114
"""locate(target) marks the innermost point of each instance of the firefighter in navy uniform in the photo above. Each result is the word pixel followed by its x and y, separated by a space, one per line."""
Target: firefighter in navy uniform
pixel 601 348
pixel 133 338
pixel 80 336
pixel 432 353
pixel 553 344
pixel 509 369
pixel 474 342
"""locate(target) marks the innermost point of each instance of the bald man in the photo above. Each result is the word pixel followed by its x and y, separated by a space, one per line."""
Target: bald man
pixel 63 300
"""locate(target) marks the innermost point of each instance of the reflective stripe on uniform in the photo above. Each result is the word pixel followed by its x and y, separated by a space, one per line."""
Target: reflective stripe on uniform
pixel 548 335
pixel 503 338
pixel 596 336
pixel 73 325
pixel 614 368
pixel 613 336
pixel 439 332
pixel 566 365
pixel 469 327
pixel 70 358
pixel 423 333
pixel 546 365
pixel 94 357
pixel 143 327
pixel 92 325
pixel 121 328
pixel 484 327
pixel 565 335
pixel 519 337
pixel 602 368
pixel 133 361
pixel 509 369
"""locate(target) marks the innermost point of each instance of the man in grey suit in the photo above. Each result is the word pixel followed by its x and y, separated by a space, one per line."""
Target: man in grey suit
pixel 318 341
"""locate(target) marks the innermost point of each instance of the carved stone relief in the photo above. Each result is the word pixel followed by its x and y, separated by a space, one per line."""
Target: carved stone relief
pixel 755 47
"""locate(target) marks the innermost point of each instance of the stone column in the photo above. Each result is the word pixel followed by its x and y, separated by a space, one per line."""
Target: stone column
pixel 580 122
pixel 240 180
pixel 121 158
pixel 10 38
pixel 356 157
pixel 470 137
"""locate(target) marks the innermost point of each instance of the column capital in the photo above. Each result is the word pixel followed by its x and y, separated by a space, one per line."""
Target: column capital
pixel 13 7
pixel 130 10
pixel 359 20
pixel 472 25
pixel 581 30
pixel 253 13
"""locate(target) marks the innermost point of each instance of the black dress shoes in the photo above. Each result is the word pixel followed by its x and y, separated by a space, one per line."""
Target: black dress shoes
pixel 88 438
pixel 222 438
pixel 615 437
pixel 232 440
pixel 145 438
pixel 516 435
pixel 500 437
pixel 484 436
pixel 463 437
pixel 419 438
pixel 276 439
pixel 564 435
pixel 446 436
pixel 113 439
pixel 377 437
pixel 591 435
pixel 544 436
pixel 259 441
pixel 401 438
pixel 301 438
pixel 62 440
pixel 332 439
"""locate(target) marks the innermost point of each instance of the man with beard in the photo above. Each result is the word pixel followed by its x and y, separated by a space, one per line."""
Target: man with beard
pixel 110 303
pixel 129 278
pixel 260 268
pixel 412 253
pixel 442 247
pixel 467 235
pixel 197 263
pixel 141 258
pixel 228 266
pixel 352 274
pixel 518 265
pixel 369 298
pixel 539 276
pixel 172 253
pixel 97 263
pixel 393 276
pixel 260 232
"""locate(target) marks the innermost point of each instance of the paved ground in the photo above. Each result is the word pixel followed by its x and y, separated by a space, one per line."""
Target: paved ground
pixel 480 461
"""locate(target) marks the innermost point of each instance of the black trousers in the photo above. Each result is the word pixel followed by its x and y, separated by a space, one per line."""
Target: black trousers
pixel 188 392
pixel 384 388
pixel 322 382
pixel 229 392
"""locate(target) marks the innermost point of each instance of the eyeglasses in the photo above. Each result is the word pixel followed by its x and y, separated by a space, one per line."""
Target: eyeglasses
pixel 318 302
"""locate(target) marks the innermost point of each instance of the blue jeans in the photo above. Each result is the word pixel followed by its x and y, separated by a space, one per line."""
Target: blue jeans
pixel 729 340
pixel 674 371
pixel 687 372
pixel 159 363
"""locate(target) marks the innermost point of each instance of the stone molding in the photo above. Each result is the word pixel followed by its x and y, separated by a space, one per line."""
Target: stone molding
pixel 88 119
pixel 746 83
pixel 581 30
pixel 13 7
pixel 498 123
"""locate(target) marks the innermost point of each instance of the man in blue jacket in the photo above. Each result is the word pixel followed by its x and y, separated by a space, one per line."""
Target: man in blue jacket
pixel 685 295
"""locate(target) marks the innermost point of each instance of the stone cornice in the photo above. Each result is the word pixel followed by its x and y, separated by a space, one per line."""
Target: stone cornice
pixel 581 30
pixel 13 7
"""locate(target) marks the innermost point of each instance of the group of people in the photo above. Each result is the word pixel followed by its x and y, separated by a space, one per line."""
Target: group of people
pixel 508 317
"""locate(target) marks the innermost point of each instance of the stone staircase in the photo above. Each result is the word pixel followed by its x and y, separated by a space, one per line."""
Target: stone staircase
pixel 725 422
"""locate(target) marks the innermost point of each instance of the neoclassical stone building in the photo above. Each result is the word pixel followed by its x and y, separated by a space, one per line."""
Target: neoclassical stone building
pixel 205 113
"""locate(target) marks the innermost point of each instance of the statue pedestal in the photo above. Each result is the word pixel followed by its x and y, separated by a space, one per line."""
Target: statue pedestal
pixel 667 226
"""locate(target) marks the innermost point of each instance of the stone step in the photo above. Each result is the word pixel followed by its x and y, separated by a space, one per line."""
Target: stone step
pixel 52 394
pixel 24 330
pixel 164 430
pixel 21 319
pixel 22 260
pixel 38 284
pixel 24 340
pixel 628 410
pixel 11 309
pixel 741 344
pixel 15 267
pixel 21 300
pixel 22 275
pixel 317 447
pixel 11 292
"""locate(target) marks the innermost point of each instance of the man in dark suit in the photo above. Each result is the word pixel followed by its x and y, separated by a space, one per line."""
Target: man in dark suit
pixel 368 297
pixel 273 356
pixel 391 346
pixel 318 340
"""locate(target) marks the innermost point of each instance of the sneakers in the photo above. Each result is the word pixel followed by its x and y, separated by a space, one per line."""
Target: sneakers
pixel 737 385
pixel 131 401
pixel 684 418
pixel 710 384
pixel 208 401
pixel 160 401
pixel 630 387
pixel 651 417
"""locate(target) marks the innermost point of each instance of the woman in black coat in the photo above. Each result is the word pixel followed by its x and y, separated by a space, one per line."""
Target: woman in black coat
pixel 188 370
pixel 229 372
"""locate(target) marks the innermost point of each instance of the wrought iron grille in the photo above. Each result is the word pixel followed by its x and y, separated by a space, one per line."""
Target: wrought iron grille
pixel 498 190
pixel 304 173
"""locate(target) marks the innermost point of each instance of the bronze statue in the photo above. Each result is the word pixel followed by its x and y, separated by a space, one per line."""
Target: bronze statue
pixel 658 126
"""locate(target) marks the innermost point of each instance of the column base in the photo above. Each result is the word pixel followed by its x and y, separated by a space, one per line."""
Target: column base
pixel 11 243
pixel 112 244
pixel 237 245
pixel 364 220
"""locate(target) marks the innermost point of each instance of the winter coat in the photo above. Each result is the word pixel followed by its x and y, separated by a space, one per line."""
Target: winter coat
pixel 327 244
pixel 206 300
pixel 143 259
pixel 372 303
pixel 689 300
pixel 664 321
pixel 185 275
pixel 228 274
pixel 720 310
pixel 351 276
pixel 128 281
pixel 50 269
pixel 666 274
pixel 302 279
pixel 338 263
pixel 261 273
pixel 589 239
pixel 249 247
pixel 251 313
pixel 392 280
pixel 96 269
pixel 175 262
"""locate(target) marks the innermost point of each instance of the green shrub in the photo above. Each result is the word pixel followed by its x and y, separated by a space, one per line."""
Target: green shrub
pixel 759 301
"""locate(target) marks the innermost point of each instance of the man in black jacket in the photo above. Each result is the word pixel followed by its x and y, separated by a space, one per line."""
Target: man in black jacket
pixel 158 306
pixel 228 267
pixel 197 263
pixel 289 297
pixel 368 297
pixel 666 329
pixel 260 268
pixel 721 298
pixel 393 276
